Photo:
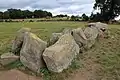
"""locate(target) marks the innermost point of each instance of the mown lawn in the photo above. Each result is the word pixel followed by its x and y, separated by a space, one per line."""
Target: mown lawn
pixel 106 52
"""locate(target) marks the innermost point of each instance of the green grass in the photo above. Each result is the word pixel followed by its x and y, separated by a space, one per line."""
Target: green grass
pixel 42 29
pixel 107 51
pixel 114 26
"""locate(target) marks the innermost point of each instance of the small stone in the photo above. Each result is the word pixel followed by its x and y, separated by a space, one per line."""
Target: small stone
pixel 18 41
pixel 8 58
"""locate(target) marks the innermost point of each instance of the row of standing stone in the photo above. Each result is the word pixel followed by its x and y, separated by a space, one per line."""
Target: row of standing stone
pixel 62 47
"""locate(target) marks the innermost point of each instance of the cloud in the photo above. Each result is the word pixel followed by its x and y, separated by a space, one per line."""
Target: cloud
pixel 55 6
pixel 5 4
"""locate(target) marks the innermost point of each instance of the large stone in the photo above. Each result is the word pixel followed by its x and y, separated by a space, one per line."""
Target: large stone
pixel 98 25
pixel 17 43
pixel 8 58
pixel 66 31
pixel 91 34
pixel 54 38
pixel 31 52
pixel 102 28
pixel 60 55
pixel 79 37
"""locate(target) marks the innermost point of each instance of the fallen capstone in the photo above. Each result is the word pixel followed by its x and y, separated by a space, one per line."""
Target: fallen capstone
pixel 54 38
pixel 66 31
pixel 91 34
pixel 60 55
pixel 79 37
pixel 102 28
pixel 31 52
pixel 8 58
pixel 17 43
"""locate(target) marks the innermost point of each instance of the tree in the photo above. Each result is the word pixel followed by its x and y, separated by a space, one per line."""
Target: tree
pixel 49 14
pixel 15 13
pixel 6 15
pixel 85 17
pixel 109 8
pixel 95 17
pixel 38 13
pixel 23 14
pixel 42 14
pixel 75 18
pixel 1 15
pixel 27 14
pixel 61 15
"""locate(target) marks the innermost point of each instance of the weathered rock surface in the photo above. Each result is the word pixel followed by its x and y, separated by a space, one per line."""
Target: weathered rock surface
pixel 79 37
pixel 98 25
pixel 8 58
pixel 60 55
pixel 54 38
pixel 66 31
pixel 102 28
pixel 91 34
pixel 31 52
pixel 17 43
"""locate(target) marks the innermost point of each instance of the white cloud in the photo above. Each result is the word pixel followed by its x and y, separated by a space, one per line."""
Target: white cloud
pixel 117 18
pixel 55 6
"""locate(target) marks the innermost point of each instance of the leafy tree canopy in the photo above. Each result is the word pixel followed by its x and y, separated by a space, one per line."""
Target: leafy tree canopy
pixel 109 8
pixel 23 14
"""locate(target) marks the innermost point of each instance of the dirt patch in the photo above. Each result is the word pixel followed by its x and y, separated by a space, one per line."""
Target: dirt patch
pixel 89 70
pixel 17 75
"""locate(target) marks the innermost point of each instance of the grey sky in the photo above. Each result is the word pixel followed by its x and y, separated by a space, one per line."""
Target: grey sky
pixel 76 7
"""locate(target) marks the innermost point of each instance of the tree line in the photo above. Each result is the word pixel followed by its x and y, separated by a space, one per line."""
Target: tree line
pixel 27 14
pixel 24 14
pixel 109 9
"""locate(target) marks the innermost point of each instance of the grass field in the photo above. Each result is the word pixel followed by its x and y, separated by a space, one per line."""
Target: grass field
pixel 106 53
pixel 42 29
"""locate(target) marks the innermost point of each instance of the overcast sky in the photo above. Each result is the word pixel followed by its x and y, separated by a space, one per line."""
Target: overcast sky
pixel 55 6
